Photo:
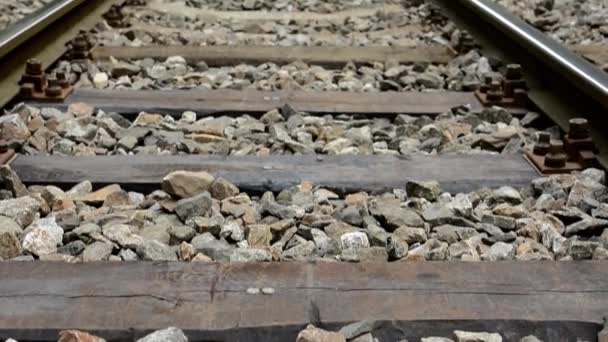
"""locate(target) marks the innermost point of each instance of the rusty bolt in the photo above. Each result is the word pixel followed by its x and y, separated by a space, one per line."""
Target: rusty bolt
pixel 542 146
pixel 579 129
pixel 514 72
pixel 495 93
pixel 33 67
pixel 556 158
pixel 53 88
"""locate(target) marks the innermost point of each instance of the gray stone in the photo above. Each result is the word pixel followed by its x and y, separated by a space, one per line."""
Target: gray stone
pixel 503 222
pixel 452 234
pixel 122 235
pixel 250 255
pixel 299 252
pixel 530 338
pixel 180 233
pixel 427 190
pixel 199 205
pixel 73 248
pixel 80 189
pixel 587 226
pixel 155 251
pixel 8 225
pixel 218 250
pixel 506 194
pixel 390 213
pixel 156 232
pixel 465 336
pixel 42 237
pixel 498 252
pixel 581 250
pixel 97 251
pixel 22 210
pixel 358 328
pixel 354 240
pixel 436 339
pixel 171 334
pixel 411 235
pixel 396 248
pixel 232 230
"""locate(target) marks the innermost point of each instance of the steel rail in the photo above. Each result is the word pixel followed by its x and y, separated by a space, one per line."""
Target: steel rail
pixel 26 28
pixel 562 84
pixel 575 68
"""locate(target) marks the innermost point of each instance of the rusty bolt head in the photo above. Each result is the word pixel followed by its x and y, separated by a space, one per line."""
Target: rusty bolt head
pixel 514 72
pixel 556 157
pixel 579 128
pixel 53 88
pixel 33 67
pixel 542 146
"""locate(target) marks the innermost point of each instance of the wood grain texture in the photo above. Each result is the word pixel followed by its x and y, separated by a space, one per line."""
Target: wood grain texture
pixel 209 300
pixel 254 102
pixel 344 174
pixel 329 56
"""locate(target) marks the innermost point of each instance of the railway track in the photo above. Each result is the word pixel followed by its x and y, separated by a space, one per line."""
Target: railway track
pixel 302 170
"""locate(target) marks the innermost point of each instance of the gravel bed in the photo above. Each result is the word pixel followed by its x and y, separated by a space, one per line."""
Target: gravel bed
pixel 83 131
pixel 464 73
pixel 410 25
pixel 356 332
pixel 323 6
pixel 194 216
pixel 12 11
pixel 568 21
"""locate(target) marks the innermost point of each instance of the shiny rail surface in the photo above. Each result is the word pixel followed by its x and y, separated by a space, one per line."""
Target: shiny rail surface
pixel 562 84
pixel 26 28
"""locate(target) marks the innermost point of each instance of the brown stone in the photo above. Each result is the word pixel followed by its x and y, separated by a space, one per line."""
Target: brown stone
pixel 12 182
pixel 260 236
pixel 263 152
pixel 356 199
pixel 80 109
pixel 78 336
pixel 204 138
pixel 312 334
pixel 222 189
pixel 145 119
pixel 186 251
pixel 63 203
pixel 117 198
pixel 9 246
pixel 99 196
pixel 185 184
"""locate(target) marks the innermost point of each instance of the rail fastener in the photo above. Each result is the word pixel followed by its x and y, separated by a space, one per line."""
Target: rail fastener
pixel 36 85
pixel 115 18
pixel 80 47
pixel 575 152
pixel 510 92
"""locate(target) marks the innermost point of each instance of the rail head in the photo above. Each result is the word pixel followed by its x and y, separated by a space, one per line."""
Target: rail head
pixel 26 28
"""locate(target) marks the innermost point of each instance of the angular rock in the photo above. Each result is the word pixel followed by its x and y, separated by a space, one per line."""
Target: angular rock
pixel 22 210
pixel 9 246
pixel 465 336
pixel 199 205
pixel 8 225
pixel 97 251
pixel 354 240
pixel 411 235
pixel 392 215
pixel 12 182
pixel 171 334
pixel 222 189
pixel 186 184
pixel 122 235
pixel 155 251
pixel 427 190
pixel 498 252
pixel 78 336
pixel 312 334
pixel 42 237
